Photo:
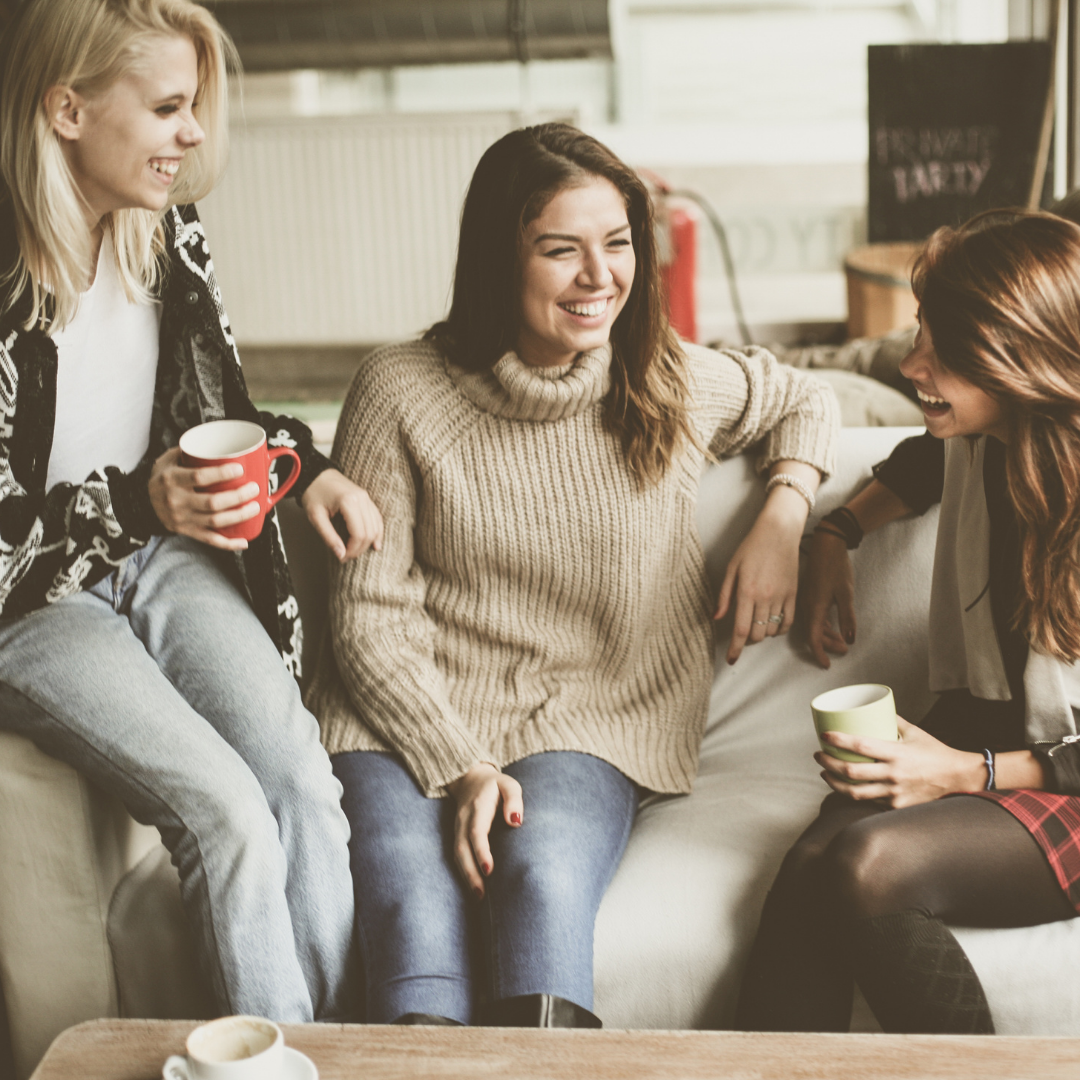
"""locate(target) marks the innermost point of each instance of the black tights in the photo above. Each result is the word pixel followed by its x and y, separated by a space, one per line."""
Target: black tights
pixel 864 896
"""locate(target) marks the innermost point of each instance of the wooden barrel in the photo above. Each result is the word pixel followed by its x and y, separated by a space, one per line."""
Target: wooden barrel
pixel 879 288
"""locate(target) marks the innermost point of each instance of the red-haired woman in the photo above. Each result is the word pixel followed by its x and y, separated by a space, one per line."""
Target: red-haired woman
pixel 865 893
pixel 532 646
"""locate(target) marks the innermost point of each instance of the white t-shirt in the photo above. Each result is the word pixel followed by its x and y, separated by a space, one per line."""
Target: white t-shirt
pixel 107 365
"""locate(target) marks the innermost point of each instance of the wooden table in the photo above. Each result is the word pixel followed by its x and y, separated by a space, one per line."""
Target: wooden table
pixel 136 1050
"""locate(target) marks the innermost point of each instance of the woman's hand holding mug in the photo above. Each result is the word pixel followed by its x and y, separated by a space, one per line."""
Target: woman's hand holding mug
pixel 199 490
pixel 216 486
pixel 183 505
pixel 916 769
pixel 868 752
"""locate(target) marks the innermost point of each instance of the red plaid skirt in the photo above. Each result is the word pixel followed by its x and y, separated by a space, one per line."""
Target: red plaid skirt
pixel 1054 822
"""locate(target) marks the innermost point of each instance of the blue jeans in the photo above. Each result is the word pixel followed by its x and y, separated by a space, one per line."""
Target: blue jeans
pixel 160 684
pixel 427 946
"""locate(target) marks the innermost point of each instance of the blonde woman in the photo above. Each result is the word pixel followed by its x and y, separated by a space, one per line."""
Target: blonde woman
pixel 532 649
pixel 137 643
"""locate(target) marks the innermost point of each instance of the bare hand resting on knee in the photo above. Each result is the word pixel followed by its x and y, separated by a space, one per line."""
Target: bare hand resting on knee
pixel 478 794
pixel 918 768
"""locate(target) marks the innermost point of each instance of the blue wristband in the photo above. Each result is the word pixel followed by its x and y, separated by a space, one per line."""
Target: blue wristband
pixel 988 757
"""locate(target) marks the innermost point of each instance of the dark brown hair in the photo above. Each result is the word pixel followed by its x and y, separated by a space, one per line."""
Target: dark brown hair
pixel 648 406
pixel 1001 296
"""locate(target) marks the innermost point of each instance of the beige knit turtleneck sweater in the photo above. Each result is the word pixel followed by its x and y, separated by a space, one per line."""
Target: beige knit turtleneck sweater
pixel 528 596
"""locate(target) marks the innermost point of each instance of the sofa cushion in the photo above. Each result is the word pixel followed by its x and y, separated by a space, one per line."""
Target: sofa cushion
pixel 64 844
pixel 678 919
pixel 152 947
pixel 865 402
pixel 674 927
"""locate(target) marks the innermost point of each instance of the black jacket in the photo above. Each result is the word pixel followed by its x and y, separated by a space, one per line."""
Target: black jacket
pixel 53 545
pixel 915 472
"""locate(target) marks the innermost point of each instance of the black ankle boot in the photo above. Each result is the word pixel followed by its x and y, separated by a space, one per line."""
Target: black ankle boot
pixel 539 1011
pixel 429 1019
pixel 916 976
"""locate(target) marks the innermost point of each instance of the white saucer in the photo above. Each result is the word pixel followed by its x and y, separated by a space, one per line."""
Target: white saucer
pixel 298 1066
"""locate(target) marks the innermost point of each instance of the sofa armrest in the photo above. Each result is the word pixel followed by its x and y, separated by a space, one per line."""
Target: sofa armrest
pixel 64 845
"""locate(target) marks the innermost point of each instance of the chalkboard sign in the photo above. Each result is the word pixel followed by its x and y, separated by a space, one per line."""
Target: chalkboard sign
pixel 954 129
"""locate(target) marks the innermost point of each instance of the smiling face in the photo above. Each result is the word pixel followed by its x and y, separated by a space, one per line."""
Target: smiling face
pixel 124 145
pixel 951 405
pixel 577 267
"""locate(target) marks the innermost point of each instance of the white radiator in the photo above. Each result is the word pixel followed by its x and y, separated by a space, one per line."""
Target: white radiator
pixel 343 229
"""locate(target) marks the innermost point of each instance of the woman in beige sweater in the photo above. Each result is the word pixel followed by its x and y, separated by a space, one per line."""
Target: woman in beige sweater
pixel 532 647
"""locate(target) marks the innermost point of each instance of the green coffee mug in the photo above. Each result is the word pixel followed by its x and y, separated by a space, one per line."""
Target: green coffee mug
pixel 863 709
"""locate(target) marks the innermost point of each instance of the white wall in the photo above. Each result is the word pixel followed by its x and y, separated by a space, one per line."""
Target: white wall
pixel 343 229
pixel 761 106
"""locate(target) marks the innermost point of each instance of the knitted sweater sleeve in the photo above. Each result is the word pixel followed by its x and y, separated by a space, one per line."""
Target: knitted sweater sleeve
pixel 383 639
pixel 749 399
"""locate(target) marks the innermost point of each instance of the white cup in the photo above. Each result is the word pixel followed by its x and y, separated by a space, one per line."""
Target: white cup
pixel 232 1048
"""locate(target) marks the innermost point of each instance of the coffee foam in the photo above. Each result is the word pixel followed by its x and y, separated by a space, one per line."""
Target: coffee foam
pixel 232 1039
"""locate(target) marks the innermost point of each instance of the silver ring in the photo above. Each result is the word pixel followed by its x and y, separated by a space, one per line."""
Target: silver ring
pixel 760 622
pixel 777 618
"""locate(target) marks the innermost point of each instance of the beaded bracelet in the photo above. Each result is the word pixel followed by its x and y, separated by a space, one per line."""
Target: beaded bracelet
pixel 988 757
pixel 792 482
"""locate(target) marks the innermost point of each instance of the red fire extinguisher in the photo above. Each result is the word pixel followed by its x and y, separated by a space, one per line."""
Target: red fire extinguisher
pixel 680 267
pixel 676 241
pixel 678 212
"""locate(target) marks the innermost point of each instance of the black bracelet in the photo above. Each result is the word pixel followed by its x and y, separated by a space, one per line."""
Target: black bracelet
pixel 988 757
pixel 819 527
pixel 848 524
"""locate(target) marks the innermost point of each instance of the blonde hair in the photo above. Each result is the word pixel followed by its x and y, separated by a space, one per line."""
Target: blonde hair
pixel 88 45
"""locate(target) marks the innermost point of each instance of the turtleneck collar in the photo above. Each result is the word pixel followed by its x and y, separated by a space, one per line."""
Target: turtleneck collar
pixel 517 391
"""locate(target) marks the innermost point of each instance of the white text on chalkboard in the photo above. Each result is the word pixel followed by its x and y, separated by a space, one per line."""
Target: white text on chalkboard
pixel 931 161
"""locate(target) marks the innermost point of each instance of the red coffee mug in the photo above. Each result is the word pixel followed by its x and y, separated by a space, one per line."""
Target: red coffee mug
pixel 223 441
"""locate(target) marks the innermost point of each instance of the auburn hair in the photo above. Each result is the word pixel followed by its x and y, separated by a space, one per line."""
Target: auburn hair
pixel 88 45
pixel 648 408
pixel 1001 296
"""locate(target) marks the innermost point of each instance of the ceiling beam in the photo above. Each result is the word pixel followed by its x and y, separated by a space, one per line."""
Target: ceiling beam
pixel 275 35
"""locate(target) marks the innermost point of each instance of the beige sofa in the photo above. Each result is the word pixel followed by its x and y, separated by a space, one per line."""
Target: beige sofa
pixel 90 922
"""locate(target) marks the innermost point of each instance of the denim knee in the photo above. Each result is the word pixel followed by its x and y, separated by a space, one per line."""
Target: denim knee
pixel 229 808
pixel 298 779
pixel 410 905
pixel 558 895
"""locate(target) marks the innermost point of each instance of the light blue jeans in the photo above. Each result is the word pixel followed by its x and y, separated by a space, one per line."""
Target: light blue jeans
pixel 162 686
pixel 427 945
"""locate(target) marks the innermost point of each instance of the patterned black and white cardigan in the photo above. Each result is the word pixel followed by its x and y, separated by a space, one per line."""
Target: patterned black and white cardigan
pixel 52 545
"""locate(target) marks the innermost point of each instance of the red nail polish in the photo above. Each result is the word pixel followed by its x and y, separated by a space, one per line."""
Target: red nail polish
pixel 515 819
pixel 479 893
pixel 486 868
